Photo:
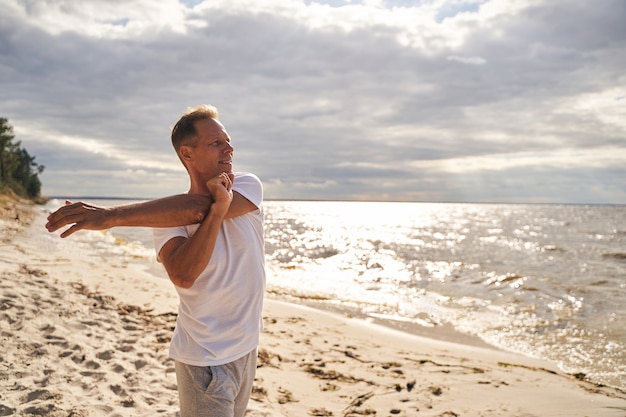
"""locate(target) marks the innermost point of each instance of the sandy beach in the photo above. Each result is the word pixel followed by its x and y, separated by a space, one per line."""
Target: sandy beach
pixel 85 338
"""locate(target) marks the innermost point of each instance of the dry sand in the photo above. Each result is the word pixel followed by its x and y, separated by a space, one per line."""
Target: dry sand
pixel 83 338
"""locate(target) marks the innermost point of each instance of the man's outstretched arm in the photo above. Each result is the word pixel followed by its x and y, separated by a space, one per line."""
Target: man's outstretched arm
pixel 177 210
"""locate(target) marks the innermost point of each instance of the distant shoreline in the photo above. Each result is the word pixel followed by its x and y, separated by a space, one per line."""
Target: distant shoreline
pixel 75 198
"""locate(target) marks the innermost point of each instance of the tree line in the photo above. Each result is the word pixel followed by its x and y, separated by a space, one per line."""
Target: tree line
pixel 18 170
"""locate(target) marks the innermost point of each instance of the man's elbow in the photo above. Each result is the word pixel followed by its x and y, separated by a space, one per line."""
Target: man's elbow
pixel 185 285
pixel 199 208
pixel 197 216
pixel 182 281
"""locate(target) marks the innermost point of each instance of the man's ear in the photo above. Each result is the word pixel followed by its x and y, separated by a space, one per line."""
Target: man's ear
pixel 185 153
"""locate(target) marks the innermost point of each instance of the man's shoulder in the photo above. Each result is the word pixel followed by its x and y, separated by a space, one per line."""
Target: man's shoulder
pixel 242 176
pixel 249 186
pixel 246 179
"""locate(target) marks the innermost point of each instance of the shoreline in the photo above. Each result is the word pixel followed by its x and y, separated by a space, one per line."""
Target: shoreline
pixel 83 338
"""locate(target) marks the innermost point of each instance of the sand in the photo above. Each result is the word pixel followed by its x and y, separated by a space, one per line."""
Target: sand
pixel 84 338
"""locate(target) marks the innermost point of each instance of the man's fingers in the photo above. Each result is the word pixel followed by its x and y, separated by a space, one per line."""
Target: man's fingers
pixel 56 225
pixel 64 216
pixel 69 231
pixel 58 220
pixel 61 210
pixel 224 179
pixel 227 180
pixel 77 215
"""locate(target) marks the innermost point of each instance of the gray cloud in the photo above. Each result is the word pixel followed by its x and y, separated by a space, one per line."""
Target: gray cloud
pixel 323 112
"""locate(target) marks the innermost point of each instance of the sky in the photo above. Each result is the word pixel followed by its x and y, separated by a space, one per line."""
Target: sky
pixel 513 101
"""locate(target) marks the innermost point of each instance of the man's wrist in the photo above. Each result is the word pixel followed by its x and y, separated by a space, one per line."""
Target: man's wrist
pixel 112 217
pixel 218 209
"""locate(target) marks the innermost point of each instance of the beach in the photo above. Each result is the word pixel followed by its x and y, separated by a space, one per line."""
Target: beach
pixel 87 338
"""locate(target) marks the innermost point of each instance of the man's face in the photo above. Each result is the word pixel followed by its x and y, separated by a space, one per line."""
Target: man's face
pixel 213 153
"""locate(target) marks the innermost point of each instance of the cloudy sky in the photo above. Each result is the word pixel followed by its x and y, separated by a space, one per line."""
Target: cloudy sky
pixel 424 100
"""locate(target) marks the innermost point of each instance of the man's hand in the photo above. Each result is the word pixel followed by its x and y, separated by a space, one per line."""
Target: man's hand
pixel 221 190
pixel 80 215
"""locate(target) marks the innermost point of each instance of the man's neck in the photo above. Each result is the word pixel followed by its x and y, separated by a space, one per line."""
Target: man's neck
pixel 198 190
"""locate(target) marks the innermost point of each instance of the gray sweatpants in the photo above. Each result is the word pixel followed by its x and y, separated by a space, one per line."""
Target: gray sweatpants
pixel 216 391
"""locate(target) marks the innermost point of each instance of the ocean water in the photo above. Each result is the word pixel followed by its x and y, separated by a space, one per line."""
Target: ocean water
pixel 546 281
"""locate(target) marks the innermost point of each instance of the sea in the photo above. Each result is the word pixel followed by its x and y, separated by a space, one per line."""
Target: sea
pixel 544 281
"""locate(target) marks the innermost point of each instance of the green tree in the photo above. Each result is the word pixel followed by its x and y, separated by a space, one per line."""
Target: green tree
pixel 18 169
pixel 7 148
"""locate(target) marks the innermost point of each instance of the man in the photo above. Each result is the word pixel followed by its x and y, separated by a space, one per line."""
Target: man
pixel 210 242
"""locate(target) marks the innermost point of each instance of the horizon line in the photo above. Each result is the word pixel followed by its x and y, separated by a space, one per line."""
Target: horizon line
pixel 87 197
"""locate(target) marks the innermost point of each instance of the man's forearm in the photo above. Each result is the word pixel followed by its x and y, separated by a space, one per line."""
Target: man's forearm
pixel 177 210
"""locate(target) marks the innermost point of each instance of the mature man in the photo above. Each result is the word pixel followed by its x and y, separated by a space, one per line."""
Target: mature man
pixel 210 242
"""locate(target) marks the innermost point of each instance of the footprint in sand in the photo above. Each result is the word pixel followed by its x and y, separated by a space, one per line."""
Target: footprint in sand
pixel 105 355
pixel 6 411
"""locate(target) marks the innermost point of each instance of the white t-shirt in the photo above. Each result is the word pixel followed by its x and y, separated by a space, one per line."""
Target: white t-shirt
pixel 220 316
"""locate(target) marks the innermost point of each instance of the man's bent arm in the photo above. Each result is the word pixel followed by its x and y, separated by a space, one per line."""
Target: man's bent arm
pixel 184 259
pixel 178 210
